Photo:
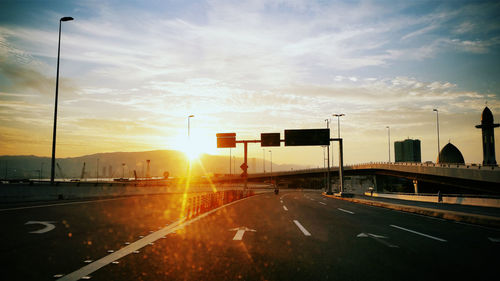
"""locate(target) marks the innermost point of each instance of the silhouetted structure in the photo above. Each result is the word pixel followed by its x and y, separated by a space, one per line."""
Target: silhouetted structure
pixel 487 126
pixel 407 151
pixel 450 155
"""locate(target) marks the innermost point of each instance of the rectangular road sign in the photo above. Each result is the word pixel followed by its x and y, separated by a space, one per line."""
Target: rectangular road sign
pixel 304 137
pixel 270 139
pixel 226 140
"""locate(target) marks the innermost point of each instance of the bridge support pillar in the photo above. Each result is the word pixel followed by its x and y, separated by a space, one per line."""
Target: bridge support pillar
pixel 415 186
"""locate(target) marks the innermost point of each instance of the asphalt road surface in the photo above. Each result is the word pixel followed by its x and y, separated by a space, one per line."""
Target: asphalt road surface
pixel 296 235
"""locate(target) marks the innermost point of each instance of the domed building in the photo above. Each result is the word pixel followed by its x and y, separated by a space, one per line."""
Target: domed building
pixel 450 155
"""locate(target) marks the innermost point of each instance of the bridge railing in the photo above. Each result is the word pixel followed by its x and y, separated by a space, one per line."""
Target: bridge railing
pixel 444 194
pixel 443 165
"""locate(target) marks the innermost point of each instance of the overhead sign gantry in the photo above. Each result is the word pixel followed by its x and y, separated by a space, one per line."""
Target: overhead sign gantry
pixel 293 137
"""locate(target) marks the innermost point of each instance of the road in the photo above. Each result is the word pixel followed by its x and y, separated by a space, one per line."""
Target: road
pixel 296 235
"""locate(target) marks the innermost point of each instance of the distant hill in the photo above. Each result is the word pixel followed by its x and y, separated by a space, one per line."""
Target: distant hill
pixel 111 165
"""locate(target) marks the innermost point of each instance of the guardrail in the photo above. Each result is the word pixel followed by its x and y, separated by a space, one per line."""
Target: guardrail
pixel 471 166
pixel 45 192
pixel 463 166
pixel 473 200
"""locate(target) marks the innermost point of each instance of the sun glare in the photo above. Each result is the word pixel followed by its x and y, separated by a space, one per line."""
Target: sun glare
pixel 196 145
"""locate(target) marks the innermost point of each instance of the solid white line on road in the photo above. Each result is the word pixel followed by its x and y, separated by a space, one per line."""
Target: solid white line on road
pixel 419 233
pixel 134 247
pixel 285 208
pixel 306 233
pixel 62 204
pixel 322 203
pixel 495 240
pixel 345 211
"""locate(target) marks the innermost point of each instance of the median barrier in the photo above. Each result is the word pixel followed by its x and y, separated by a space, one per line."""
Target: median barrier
pixel 26 192
pixel 199 203
pixel 447 199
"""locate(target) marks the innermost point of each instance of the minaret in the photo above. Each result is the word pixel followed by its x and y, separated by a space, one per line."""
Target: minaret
pixel 487 127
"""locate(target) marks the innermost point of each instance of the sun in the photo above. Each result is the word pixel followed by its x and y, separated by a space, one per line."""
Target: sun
pixel 196 145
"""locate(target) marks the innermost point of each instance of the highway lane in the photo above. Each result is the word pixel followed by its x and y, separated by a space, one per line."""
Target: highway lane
pixel 346 241
pixel 83 230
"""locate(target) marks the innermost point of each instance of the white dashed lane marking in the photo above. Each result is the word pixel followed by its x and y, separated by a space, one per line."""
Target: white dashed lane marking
pixel 345 211
pixel 303 229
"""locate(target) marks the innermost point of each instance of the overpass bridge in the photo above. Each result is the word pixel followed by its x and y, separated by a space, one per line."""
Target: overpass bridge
pixel 469 177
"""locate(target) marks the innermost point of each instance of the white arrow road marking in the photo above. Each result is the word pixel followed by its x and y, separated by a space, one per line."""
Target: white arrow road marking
pixel 240 231
pixel 495 240
pixel 418 233
pixel 345 211
pixel 377 238
pixel 48 226
pixel 134 247
pixel 303 229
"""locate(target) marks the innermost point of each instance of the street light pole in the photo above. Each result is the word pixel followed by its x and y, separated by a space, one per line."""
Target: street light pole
pixel 389 141
pixel 189 125
pixel 97 170
pixel 271 164
pixel 264 160
pixel 328 158
pixel 52 171
pixel 189 144
pixel 437 125
pixel 338 122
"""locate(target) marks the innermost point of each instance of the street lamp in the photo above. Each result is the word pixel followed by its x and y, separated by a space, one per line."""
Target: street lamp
pixel 264 160
pixel 271 152
pixel 437 125
pixel 389 141
pixel 338 122
pixel 189 117
pixel 328 157
pixel 97 171
pixel 52 171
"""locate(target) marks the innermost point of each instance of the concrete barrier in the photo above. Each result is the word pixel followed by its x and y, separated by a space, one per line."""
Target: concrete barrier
pixel 443 214
pixel 473 201
pixel 25 192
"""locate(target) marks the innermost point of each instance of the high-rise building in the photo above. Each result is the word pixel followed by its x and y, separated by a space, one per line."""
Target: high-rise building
pixel 407 151
pixel 487 126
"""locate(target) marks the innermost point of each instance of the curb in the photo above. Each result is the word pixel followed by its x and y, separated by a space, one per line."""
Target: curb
pixel 483 220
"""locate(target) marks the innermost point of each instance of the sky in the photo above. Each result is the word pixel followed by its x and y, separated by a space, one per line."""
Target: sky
pixel 131 72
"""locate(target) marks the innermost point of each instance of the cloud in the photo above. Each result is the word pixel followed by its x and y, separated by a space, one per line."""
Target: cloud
pixel 247 67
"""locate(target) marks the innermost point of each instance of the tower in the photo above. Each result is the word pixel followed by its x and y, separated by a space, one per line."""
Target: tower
pixel 487 127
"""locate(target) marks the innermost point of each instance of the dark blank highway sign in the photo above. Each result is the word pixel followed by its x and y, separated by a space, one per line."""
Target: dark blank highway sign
pixel 226 140
pixel 270 139
pixel 303 137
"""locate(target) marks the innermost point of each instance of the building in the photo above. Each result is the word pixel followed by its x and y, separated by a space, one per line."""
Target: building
pixel 487 127
pixel 450 155
pixel 407 151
